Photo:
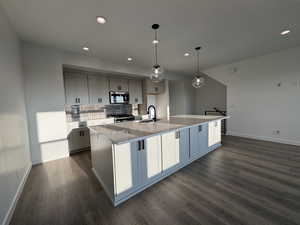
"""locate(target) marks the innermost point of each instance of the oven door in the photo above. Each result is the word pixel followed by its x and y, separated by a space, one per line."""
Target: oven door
pixel 118 97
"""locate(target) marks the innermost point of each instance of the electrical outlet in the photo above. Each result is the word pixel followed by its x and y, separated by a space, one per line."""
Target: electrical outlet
pixel 276 132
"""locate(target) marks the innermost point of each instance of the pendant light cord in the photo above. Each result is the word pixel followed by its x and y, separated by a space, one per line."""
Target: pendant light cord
pixel 155 47
pixel 197 62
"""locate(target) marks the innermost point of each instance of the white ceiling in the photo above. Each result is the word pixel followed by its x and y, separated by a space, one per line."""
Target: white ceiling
pixel 228 30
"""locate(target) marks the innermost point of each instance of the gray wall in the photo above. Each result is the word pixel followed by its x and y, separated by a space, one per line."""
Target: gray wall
pixel 263 96
pixel 182 97
pixel 14 146
pixel 212 94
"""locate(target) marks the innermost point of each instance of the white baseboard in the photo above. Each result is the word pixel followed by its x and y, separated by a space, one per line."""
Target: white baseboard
pixel 264 138
pixel 13 205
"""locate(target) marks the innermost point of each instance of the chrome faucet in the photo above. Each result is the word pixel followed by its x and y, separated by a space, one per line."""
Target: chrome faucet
pixel 152 112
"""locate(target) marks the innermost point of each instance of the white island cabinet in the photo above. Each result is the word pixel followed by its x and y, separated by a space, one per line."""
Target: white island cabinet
pixel 127 158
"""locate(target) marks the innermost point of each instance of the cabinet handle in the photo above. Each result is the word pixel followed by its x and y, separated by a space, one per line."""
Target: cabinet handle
pixel 200 128
pixel 78 100
pixel 143 144
pixel 139 145
pixel 99 100
pixel 136 99
pixel 177 134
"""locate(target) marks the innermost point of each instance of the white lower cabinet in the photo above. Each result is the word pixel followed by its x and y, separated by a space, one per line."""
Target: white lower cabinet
pixel 150 159
pixel 170 150
pixel 126 177
pixel 214 132
pixel 79 139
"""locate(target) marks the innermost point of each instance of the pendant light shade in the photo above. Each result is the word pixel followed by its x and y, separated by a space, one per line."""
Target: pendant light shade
pixel 157 71
pixel 199 79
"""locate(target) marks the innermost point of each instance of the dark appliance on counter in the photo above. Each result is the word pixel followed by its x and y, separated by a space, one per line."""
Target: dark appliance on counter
pixel 118 97
pixel 120 112
pixel 123 118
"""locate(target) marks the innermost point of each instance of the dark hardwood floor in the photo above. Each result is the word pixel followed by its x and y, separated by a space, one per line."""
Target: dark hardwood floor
pixel 245 182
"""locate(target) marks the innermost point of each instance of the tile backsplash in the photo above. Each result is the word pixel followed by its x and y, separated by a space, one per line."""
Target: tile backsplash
pixel 93 112
pixel 85 112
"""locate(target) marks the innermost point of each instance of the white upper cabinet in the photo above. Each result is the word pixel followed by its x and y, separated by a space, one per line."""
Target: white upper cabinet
pixel 214 132
pixel 118 84
pixel 154 88
pixel 98 90
pixel 170 149
pixel 76 89
pixel 135 92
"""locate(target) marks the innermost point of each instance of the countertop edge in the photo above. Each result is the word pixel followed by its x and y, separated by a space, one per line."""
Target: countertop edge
pixel 158 133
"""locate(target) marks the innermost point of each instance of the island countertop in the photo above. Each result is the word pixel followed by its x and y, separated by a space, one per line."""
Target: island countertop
pixel 133 130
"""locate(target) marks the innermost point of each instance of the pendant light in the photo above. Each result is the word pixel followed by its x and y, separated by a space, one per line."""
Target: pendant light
pixel 157 70
pixel 199 79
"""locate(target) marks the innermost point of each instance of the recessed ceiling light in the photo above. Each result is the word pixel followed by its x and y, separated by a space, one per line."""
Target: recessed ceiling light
pixel 186 54
pixel 155 41
pixel 85 48
pixel 285 32
pixel 101 20
pixel 129 59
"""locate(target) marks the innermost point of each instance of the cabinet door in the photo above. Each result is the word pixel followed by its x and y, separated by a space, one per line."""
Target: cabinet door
pixel 214 132
pixel 184 145
pixel 198 141
pixel 135 92
pixel 118 84
pixel 76 89
pixel 150 159
pixel 125 168
pixel 98 90
pixel 79 139
pixel 170 149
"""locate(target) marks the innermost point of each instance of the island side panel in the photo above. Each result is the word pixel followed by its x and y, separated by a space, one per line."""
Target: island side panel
pixel 102 162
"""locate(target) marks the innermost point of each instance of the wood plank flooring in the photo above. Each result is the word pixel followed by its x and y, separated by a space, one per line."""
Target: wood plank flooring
pixel 245 182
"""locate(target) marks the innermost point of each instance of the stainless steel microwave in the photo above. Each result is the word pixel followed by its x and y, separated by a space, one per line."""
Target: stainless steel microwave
pixel 118 97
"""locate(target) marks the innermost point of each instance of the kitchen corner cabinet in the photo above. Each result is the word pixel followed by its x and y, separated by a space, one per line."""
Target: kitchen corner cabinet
pixel 198 141
pixel 76 89
pixel 214 133
pixel 79 139
pixel 135 92
pixel 98 90
pixel 153 88
pixel 118 84
pixel 170 150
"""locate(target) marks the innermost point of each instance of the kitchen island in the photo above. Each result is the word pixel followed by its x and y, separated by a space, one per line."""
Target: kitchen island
pixel 131 156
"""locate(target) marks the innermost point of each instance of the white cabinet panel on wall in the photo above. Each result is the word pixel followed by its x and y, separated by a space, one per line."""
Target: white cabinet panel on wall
pixel 170 149
pixel 135 92
pixel 98 90
pixel 118 84
pixel 76 89
pixel 153 88
pixel 214 132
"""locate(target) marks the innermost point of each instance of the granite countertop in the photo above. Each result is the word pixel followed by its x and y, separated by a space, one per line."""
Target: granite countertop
pixel 131 131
